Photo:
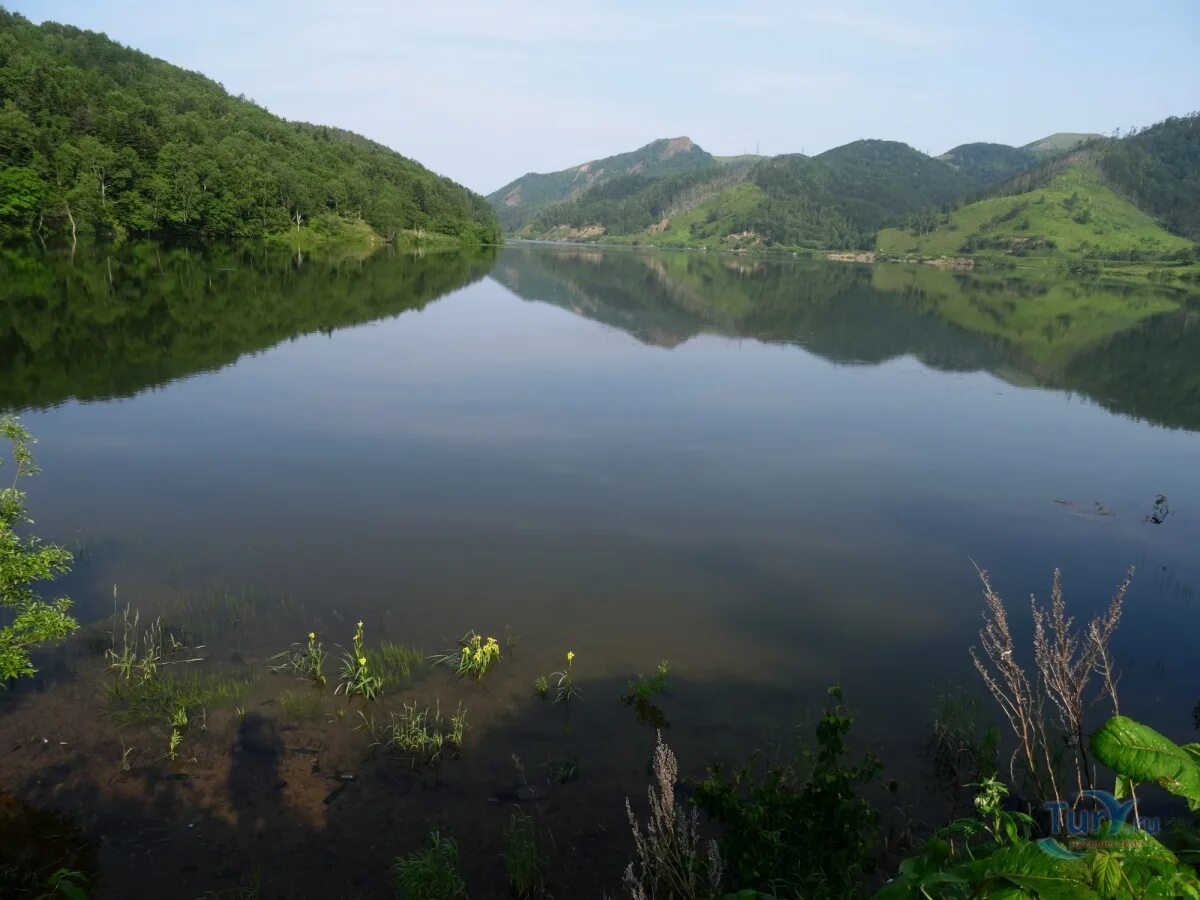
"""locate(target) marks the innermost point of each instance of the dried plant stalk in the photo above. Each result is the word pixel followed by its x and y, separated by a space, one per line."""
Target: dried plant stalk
pixel 669 859
pixel 1065 660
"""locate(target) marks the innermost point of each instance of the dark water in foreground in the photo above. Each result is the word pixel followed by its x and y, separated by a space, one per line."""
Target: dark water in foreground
pixel 775 474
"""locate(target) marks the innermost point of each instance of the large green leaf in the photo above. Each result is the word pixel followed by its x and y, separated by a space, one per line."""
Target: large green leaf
pixel 1142 754
pixel 1030 868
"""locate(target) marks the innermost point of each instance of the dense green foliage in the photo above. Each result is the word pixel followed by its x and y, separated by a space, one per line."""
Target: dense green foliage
pixel 96 137
pixel 105 324
pixel 519 201
pixel 24 561
pixel 1158 168
pixel 989 164
pixel 994 854
pixel 801 829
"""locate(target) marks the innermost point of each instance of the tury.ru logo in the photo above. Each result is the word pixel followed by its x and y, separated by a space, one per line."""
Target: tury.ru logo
pixel 1099 824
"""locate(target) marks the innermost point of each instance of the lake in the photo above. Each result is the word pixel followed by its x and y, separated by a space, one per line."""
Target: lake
pixel 777 474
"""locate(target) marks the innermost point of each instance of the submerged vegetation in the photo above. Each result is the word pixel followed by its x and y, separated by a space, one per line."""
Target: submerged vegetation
pixel 430 874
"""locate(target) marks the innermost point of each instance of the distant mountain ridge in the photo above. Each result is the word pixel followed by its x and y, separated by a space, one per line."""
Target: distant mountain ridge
pixel 843 198
pixel 520 199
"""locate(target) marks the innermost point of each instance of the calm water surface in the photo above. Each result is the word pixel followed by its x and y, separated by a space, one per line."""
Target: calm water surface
pixel 774 473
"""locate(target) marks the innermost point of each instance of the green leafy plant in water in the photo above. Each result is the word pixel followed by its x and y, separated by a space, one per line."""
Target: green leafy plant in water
pixel 799 828
pixel 475 656
pixel 565 689
pixel 23 563
pixel 430 874
pixel 541 686
pixel 67 884
pixel 420 734
pixel 523 858
pixel 357 677
pixel 962 745
pixel 644 688
pixel 304 660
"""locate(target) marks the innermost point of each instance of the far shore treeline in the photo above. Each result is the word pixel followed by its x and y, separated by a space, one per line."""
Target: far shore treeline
pixel 99 139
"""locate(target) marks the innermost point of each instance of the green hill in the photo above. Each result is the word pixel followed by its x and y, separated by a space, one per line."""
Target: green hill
pixel 519 201
pixel 96 137
pixel 837 199
pixel 1058 143
pixel 1073 214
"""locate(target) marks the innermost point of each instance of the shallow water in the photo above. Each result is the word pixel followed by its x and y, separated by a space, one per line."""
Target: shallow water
pixel 775 474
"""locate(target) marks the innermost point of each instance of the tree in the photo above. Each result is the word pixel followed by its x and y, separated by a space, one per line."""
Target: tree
pixel 24 561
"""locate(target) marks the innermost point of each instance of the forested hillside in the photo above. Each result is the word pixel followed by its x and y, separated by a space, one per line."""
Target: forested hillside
pixel 521 200
pixel 96 137
pixel 1158 168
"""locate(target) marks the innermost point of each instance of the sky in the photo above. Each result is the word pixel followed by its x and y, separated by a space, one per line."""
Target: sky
pixel 487 91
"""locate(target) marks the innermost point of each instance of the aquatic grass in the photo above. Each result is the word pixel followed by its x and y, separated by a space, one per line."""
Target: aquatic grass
pixel 523 858
pixel 136 657
pixel 357 678
pixel 430 874
pixel 303 660
pixel 541 686
pixel 420 734
pixel 395 664
pixel 565 689
pixel 156 701
pixel 643 688
pixel 301 704
pixel 474 657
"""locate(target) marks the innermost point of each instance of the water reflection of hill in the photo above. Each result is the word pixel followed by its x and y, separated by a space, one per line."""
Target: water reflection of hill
pixel 114 323
pixel 1131 349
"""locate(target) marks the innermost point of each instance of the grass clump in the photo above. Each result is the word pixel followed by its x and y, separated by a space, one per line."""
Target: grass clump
pixel 541 686
pixel 523 858
pixel 302 660
pixel 395 663
pixel 474 657
pixel 424 736
pixel 430 874
pixel 301 704
pixel 150 702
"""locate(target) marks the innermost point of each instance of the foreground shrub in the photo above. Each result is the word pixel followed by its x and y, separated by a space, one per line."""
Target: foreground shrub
pixel 800 829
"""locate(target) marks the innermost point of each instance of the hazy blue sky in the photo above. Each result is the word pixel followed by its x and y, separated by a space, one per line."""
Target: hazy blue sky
pixel 485 91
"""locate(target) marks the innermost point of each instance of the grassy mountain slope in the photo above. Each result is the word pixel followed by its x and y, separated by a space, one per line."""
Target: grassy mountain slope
pixel 97 137
pixel 1057 143
pixel 520 200
pixel 1073 214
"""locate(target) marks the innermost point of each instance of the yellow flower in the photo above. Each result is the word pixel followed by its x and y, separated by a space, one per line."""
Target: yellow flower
pixel 362 660
pixel 312 635
pixel 360 624
pixel 570 655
